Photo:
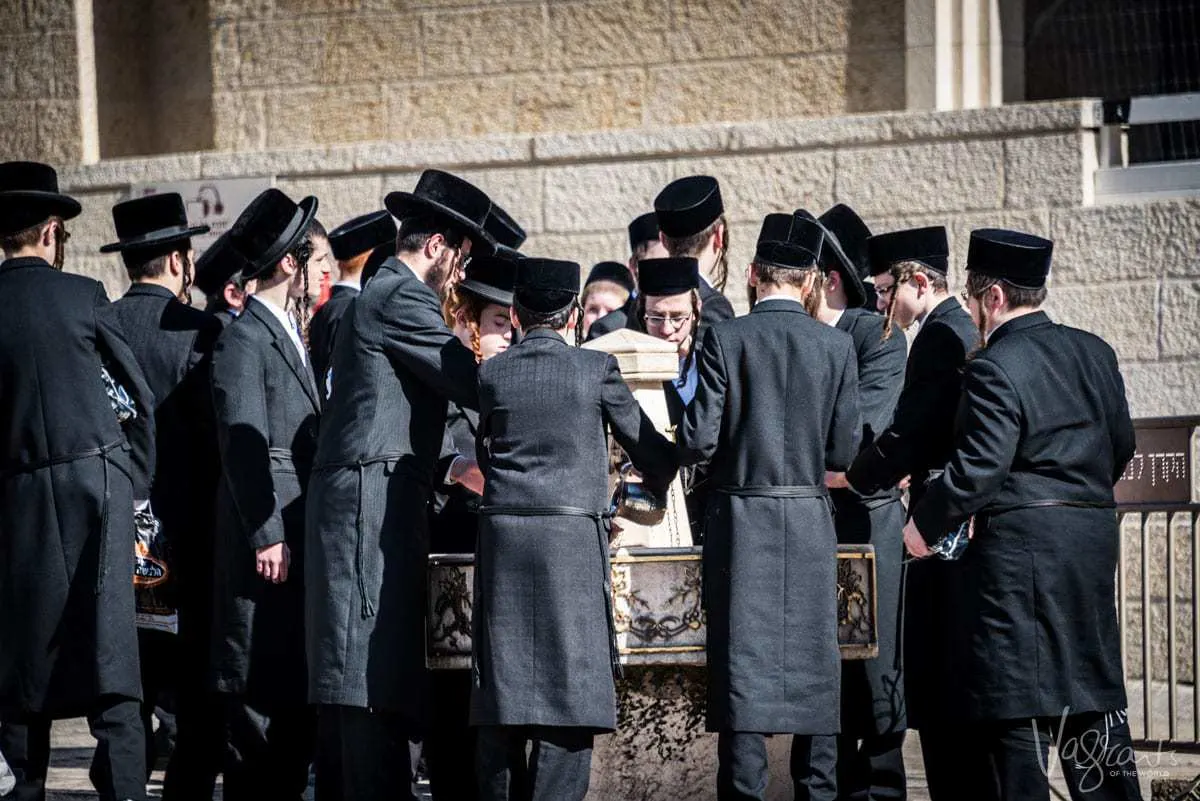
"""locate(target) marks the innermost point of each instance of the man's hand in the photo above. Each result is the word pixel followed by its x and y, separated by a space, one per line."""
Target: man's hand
pixel 836 480
pixel 272 562
pixel 914 543
pixel 466 471
pixel 904 483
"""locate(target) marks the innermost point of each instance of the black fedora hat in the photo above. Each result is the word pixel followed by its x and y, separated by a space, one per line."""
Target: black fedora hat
pixel 151 222
pixel 362 234
pixel 546 285
pixel 612 271
pixel 217 265
pixel 688 205
pixel 269 227
pixel 927 245
pixel 852 234
pixel 491 278
pixel 1021 259
pixel 506 231
pixel 833 257
pixel 644 228
pixel 672 276
pixel 29 195
pixel 447 195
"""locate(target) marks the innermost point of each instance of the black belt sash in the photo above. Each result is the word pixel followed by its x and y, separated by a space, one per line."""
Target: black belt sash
pixel 783 491
pixel 1048 503
pixel 603 526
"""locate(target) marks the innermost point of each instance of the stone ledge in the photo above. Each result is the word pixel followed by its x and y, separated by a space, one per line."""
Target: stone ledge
pixel 556 148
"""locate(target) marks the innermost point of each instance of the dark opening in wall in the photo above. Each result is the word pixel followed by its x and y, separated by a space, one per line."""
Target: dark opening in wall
pixel 153 76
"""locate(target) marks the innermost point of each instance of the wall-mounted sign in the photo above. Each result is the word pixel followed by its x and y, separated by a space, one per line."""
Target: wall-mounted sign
pixel 215 203
pixel 1161 469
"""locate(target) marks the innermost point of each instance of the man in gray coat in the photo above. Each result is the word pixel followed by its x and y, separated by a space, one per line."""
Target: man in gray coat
pixel 545 649
pixel 776 406
pixel 395 364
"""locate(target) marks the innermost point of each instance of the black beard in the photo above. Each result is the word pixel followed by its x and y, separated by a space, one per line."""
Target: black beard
pixel 438 274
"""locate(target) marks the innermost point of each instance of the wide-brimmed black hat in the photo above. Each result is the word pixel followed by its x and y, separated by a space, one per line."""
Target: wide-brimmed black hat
pixel 611 271
pixel 672 276
pixel 217 265
pixel 546 285
pixel 491 278
pixel 361 234
pixel 644 228
pixel 852 234
pixel 834 258
pixel 151 223
pixel 1021 259
pixel 29 195
pixel 926 245
pixel 688 205
pixel 269 227
pixel 503 229
pixel 447 195
pixel 378 256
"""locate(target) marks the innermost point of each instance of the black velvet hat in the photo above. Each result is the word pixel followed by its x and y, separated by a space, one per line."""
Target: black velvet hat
pixel 611 271
pixel 378 256
pixel 150 224
pixel 852 234
pixel 217 265
pixel 802 251
pixel 688 205
pixel 546 285
pixel 29 196
pixel 776 228
pixel 269 227
pixel 926 245
pixel 834 258
pixel 449 196
pixel 644 228
pixel 504 229
pixel 672 276
pixel 361 234
pixel 1021 259
pixel 491 278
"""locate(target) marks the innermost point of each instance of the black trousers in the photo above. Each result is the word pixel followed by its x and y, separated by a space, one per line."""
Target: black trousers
pixel 559 765
pixel 118 769
pixel 365 754
pixel 1095 749
pixel 955 763
pixel 158 656
pixel 742 767
pixel 871 768
pixel 270 749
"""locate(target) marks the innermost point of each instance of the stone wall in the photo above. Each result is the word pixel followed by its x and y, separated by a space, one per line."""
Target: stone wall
pixel 39 81
pixel 302 72
pixel 1129 272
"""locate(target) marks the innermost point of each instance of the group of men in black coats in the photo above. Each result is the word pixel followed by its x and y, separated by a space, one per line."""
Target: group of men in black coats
pixel 294 473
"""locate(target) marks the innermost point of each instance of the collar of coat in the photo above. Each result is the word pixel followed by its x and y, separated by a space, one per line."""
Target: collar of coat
pixel 791 306
pixel 150 290
pixel 24 261
pixel 1022 323
pixel 947 306
pixel 542 333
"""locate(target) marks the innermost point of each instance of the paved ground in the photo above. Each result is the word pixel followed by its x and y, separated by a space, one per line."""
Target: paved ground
pixel 73 749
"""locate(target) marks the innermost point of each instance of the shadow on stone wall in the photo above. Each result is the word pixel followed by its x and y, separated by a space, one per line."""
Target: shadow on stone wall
pixel 875 70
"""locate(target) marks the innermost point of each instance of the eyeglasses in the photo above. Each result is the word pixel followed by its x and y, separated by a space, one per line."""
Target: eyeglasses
pixel 671 320
pixel 884 291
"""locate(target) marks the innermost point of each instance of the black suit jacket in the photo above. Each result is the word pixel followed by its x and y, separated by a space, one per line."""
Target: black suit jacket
pixel 173 345
pixel 921 435
pixel 1043 434
pixel 323 329
pixel 69 473
pixel 716 307
pixel 266 412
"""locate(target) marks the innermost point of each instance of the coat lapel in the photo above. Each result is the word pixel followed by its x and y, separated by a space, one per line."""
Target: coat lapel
pixel 283 344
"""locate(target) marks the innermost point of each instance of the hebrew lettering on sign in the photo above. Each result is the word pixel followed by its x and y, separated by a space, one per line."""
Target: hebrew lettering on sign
pixel 1162 468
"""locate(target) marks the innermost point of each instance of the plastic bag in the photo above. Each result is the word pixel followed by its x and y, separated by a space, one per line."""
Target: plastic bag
pixel 152 573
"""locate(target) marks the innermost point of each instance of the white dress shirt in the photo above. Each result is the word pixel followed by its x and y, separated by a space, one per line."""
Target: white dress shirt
pixel 286 321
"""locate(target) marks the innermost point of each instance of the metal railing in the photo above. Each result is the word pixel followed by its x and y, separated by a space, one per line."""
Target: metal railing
pixel 1116 178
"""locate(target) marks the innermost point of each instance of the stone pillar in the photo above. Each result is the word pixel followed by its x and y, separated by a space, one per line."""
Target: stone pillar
pixel 646 362
pixel 964 53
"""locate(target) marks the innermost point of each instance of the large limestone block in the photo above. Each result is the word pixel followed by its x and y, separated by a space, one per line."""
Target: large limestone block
pixel 599 197
pixel 582 101
pixel 484 41
pixel 1043 171
pixel 364 48
pixel 341 198
pixel 517 190
pixel 451 108
pixel 587 249
pixel 1124 315
pixel 922 178
pixel 751 186
pixel 94 226
pixel 682 94
pixel 281 52
pixel 1114 243
pixel 18 134
pixel 320 115
pixel 607 33
pixel 1181 318
pixel 858 24
pixel 718 29
pixel 1162 389
pixel 239 120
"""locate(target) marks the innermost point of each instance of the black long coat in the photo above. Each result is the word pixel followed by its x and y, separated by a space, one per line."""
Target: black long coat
pixel 173 346
pixel 454 510
pixel 395 365
pixel 266 412
pixel 1043 434
pixel 69 473
pixel 322 331
pixel 873 689
pixel 775 407
pixel 542 622
pixel 919 440
pixel 715 306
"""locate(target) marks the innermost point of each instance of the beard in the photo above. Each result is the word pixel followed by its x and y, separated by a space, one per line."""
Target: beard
pixel 438 276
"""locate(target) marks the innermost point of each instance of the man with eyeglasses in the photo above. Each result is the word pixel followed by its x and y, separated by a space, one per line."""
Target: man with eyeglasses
pixel 1043 435
pixel 909 268
pixel 669 309
pixel 72 461
pixel 396 364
